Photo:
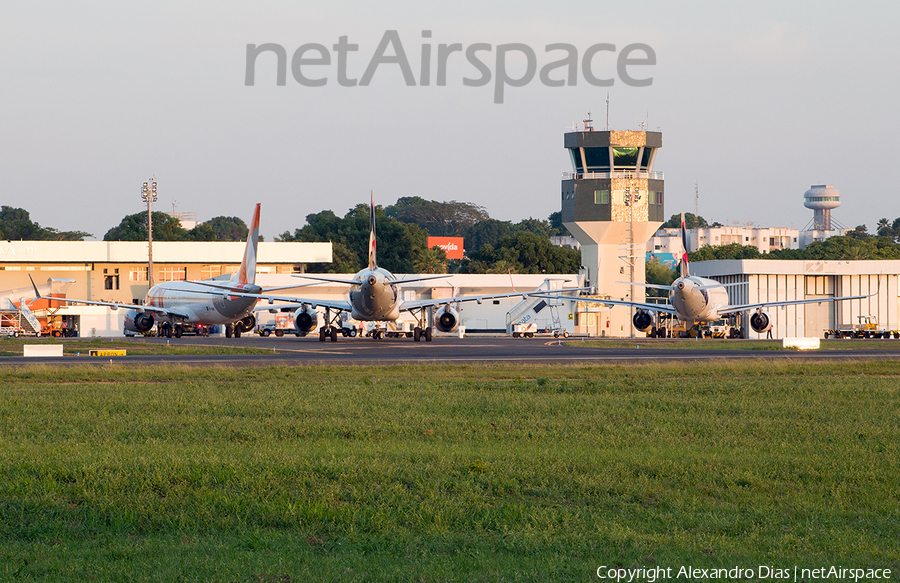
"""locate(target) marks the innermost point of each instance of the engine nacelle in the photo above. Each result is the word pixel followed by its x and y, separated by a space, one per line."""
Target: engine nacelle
pixel 643 320
pixel 247 323
pixel 446 319
pixel 759 321
pixel 306 319
pixel 138 322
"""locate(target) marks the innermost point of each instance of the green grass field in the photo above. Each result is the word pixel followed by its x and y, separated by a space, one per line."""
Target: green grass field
pixel 445 473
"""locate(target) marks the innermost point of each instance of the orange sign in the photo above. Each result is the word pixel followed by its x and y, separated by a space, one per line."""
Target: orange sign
pixel 453 246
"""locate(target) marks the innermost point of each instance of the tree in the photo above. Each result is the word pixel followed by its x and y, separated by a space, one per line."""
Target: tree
pixel 536 226
pixel 16 223
pixel 526 252
pixel 134 228
pixel 860 232
pixel 486 232
pixel 441 219
pixel 730 251
pixel 228 228
pixel 690 222
pixel 399 244
pixel 556 225
pixel 432 260
pixel 658 273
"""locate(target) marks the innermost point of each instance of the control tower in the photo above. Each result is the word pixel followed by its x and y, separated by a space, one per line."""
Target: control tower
pixel 612 202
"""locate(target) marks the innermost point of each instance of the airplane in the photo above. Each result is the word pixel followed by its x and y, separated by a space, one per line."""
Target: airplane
pixel 695 299
pixel 172 304
pixel 375 297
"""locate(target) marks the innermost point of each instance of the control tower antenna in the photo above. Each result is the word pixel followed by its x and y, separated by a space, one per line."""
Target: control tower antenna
pixel 697 200
pixel 588 123
pixel 607 112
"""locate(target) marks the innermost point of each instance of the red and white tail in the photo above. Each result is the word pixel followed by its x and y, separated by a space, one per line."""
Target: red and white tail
pixel 247 273
pixel 372 263
pixel 684 256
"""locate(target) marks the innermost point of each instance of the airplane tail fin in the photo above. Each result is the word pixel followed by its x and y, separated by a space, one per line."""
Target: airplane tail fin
pixel 685 271
pixel 247 273
pixel 372 263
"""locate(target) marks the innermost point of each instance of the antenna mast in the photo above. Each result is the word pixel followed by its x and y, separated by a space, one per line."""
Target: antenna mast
pixel 697 200
pixel 607 112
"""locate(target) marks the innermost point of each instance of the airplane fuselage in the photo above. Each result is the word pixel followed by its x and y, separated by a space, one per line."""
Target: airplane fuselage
pixel 376 296
pixel 696 301
pixel 201 306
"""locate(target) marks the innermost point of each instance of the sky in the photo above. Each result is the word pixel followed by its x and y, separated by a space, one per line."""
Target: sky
pixel 756 103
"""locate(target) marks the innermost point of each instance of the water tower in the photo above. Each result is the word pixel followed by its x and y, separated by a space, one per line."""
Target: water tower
pixel 822 198
pixel 612 202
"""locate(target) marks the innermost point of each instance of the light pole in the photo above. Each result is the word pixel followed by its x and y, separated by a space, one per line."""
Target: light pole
pixel 148 195
pixel 631 199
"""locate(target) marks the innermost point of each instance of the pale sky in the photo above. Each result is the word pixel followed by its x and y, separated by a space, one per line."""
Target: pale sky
pixel 756 102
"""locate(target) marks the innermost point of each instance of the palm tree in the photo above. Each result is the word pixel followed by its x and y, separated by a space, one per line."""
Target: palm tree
pixel 432 260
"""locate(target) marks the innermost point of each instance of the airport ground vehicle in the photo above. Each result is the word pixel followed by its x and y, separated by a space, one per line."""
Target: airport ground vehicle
pixel 281 325
pixel 866 327
pixel 524 330
pixel 16 323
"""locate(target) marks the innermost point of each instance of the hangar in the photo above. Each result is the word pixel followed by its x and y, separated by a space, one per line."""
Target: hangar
pixel 773 280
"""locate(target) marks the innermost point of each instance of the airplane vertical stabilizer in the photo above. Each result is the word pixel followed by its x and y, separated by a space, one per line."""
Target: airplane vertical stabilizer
pixel 247 273
pixel 372 263
pixel 685 271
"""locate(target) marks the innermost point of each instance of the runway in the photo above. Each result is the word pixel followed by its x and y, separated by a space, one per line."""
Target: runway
pixel 292 351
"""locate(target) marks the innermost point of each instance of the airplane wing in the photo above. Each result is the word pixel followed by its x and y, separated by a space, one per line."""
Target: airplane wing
pixel 291 300
pixel 114 305
pixel 330 279
pixel 419 304
pixel 744 307
pixel 668 308
pixel 354 282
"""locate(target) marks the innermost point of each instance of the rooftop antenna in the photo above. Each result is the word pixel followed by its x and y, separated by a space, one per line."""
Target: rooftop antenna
pixel 697 200
pixel 607 112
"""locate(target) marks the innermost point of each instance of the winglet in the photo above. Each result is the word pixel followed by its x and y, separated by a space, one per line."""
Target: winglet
pixel 37 294
pixel 247 273
pixel 372 263
pixel 685 271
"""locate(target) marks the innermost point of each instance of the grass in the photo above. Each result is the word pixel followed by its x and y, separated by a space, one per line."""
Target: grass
pixel 732 344
pixel 74 347
pixel 444 473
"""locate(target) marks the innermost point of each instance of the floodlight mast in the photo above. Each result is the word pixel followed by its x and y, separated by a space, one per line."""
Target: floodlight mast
pixel 148 195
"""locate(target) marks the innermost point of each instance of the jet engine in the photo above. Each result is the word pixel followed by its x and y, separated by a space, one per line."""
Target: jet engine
pixel 138 322
pixel 306 319
pixel 759 321
pixel 446 319
pixel 247 323
pixel 643 320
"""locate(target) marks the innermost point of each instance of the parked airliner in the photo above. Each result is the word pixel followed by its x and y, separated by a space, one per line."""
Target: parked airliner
pixel 172 304
pixel 375 296
pixel 695 299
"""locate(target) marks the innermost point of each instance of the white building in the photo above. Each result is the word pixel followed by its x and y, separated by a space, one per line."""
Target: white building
pixel 773 280
pixel 765 239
